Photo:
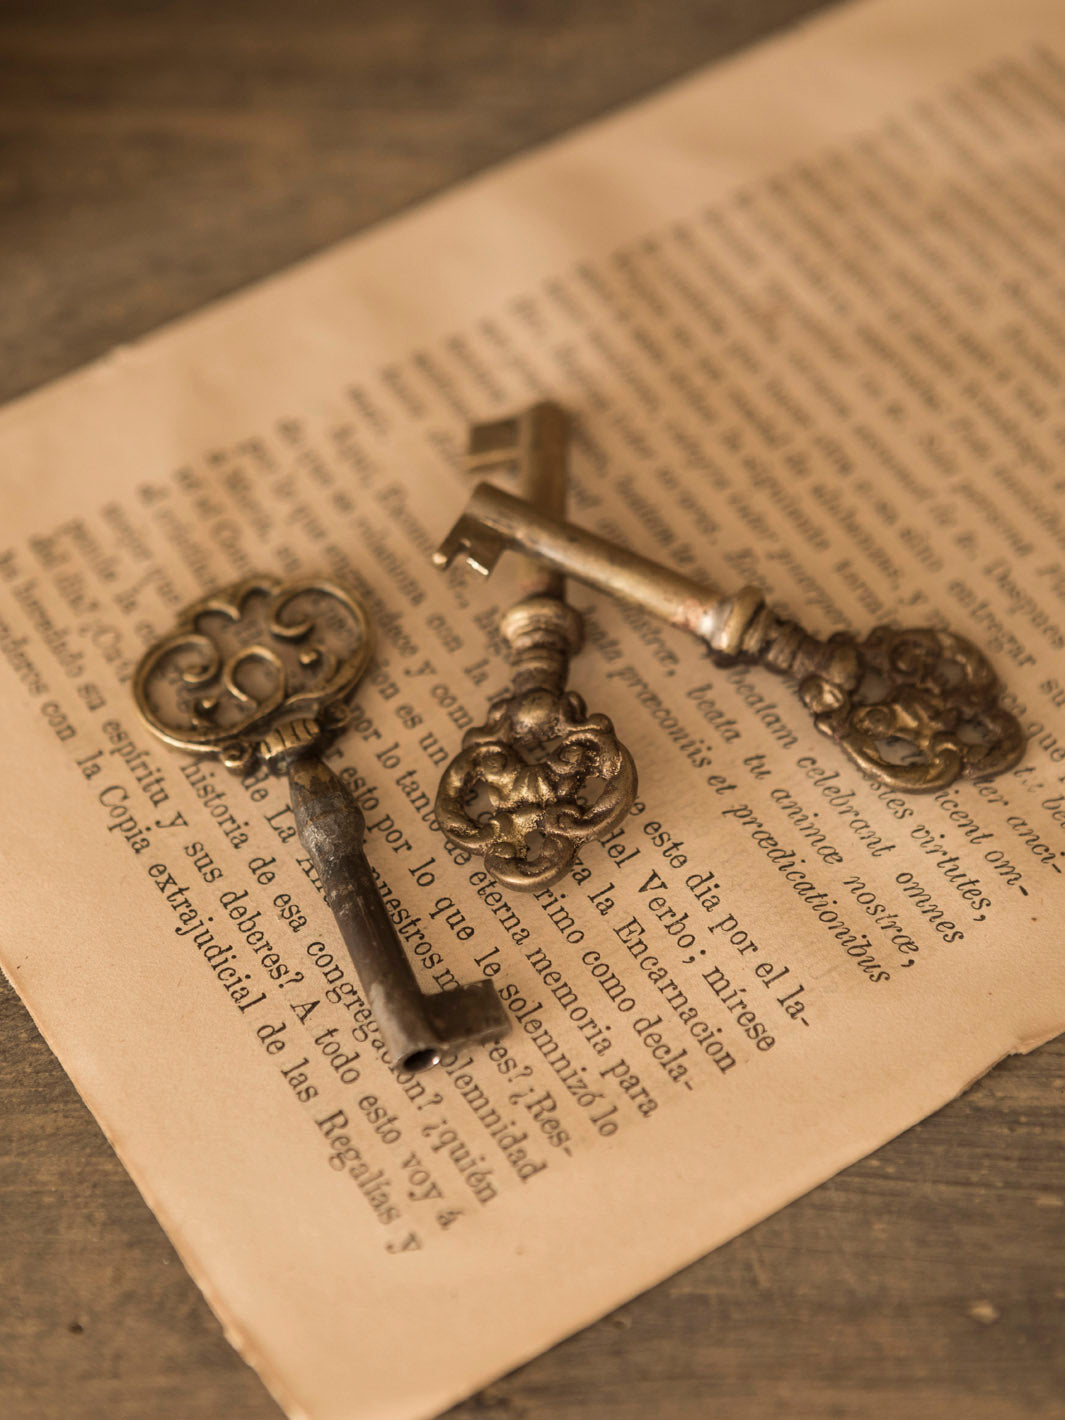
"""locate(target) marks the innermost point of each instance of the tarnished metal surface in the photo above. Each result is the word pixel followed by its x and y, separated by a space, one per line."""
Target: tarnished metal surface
pixel 416 1026
pixel 541 776
pixel 251 655
pixel 259 672
pixel 912 708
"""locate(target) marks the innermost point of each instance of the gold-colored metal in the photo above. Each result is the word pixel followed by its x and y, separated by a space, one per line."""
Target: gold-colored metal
pixel 913 709
pixel 537 757
pixel 246 657
pixel 260 672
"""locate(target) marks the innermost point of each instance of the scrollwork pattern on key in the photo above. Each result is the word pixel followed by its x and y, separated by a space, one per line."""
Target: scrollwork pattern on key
pixel 537 820
pixel 914 708
pixel 922 710
pixel 541 775
pixel 254 655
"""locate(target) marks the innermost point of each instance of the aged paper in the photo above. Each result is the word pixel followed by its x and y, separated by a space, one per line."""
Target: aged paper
pixel 809 314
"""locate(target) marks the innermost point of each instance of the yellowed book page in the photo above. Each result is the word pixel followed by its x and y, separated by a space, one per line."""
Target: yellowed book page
pixel 809 315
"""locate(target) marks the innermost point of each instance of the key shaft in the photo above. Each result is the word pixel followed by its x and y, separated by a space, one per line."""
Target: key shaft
pixel 495 520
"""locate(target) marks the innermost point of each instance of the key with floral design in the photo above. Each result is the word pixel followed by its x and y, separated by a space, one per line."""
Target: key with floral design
pixel 541 776
pixel 259 673
pixel 914 709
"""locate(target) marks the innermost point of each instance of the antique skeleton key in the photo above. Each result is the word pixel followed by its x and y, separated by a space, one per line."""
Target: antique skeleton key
pixel 912 708
pixel 258 673
pixel 538 756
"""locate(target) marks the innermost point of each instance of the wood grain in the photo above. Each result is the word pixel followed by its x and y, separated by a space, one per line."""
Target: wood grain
pixel 157 156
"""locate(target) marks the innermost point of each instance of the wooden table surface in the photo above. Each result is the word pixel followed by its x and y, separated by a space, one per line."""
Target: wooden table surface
pixel 158 155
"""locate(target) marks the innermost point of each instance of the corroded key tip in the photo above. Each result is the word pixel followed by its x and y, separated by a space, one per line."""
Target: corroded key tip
pixel 914 709
pixel 258 672
pixel 541 776
pixel 418 1027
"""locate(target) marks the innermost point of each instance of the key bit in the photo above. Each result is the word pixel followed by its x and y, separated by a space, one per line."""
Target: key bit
pixel 259 673
pixel 538 755
pixel 475 544
pixel 914 709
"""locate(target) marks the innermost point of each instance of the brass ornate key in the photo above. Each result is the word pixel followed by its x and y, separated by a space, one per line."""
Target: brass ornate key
pixel 553 775
pixel 914 709
pixel 259 672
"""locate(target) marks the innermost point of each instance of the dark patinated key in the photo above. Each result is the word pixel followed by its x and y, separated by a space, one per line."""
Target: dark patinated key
pixel 259 673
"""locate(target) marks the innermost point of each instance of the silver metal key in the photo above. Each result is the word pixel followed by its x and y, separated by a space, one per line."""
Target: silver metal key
pixel 912 708
pixel 520 791
pixel 258 673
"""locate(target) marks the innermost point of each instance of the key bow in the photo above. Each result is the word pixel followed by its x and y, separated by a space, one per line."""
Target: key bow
pixel 930 696
pixel 533 758
pixel 250 659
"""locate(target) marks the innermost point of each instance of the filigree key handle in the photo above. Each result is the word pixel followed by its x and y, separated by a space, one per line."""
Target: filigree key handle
pixel 259 672
pixel 553 775
pixel 914 709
